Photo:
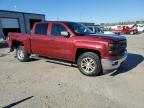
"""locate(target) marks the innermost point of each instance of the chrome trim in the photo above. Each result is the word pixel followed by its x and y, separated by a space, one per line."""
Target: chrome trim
pixel 20 54
pixel 88 64
pixel 113 64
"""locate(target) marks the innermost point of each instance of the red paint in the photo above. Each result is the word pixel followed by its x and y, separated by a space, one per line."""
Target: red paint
pixel 63 47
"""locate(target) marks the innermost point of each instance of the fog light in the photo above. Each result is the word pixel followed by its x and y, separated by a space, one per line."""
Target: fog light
pixel 115 63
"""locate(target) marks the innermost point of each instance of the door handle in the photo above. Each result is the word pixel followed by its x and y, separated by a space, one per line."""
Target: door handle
pixel 51 40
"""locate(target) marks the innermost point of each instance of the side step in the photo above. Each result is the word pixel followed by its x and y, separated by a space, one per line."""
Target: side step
pixel 56 61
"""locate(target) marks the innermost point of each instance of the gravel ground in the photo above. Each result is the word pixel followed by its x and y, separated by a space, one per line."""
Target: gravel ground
pixel 41 84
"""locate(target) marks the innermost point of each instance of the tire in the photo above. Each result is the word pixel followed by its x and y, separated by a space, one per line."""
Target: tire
pixel 21 54
pixel 89 64
pixel 132 32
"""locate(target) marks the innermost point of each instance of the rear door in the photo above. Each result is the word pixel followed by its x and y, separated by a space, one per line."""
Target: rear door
pixel 40 40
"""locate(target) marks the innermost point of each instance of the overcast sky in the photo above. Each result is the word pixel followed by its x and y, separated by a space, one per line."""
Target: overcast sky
pixel 97 11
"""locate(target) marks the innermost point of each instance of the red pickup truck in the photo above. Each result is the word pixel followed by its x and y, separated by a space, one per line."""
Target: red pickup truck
pixel 73 42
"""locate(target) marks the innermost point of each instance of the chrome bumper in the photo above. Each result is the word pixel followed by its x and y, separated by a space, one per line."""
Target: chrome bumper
pixel 113 64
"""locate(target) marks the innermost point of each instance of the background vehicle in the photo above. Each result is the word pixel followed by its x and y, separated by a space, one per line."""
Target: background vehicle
pixel 140 27
pixel 72 42
pixel 106 31
pixel 126 30
pixel 99 30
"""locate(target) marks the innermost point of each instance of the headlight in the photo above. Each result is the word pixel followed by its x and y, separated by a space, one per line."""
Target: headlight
pixel 112 46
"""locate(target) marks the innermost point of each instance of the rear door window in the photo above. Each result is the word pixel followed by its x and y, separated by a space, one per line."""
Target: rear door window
pixel 41 29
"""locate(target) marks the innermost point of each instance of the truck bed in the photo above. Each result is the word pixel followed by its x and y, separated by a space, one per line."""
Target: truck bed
pixel 19 37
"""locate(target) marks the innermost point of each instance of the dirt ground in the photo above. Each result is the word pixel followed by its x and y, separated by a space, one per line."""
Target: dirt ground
pixel 41 84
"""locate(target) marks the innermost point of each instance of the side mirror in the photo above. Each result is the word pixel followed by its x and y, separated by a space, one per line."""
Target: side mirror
pixel 65 33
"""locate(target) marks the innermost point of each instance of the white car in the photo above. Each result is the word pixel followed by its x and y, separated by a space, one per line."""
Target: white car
pixel 140 27
pixel 108 32
pixel 102 31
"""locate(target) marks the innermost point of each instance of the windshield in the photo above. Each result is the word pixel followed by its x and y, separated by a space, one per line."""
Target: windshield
pixel 79 28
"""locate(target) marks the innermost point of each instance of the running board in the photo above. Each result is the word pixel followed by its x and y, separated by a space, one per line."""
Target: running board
pixel 56 61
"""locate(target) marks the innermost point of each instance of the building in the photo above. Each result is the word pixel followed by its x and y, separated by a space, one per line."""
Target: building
pixel 13 21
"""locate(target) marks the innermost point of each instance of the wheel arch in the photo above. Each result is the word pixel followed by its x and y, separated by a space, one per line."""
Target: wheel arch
pixel 80 51
pixel 15 44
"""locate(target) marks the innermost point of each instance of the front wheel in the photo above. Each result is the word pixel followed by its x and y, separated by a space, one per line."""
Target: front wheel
pixel 89 64
pixel 21 54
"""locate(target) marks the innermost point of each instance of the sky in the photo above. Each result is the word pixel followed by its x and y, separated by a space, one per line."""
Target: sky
pixel 96 11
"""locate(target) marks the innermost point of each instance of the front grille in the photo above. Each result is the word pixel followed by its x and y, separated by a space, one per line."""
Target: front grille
pixel 122 44
pixel 119 48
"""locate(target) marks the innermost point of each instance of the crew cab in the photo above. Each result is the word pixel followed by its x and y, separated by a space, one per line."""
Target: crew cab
pixel 72 42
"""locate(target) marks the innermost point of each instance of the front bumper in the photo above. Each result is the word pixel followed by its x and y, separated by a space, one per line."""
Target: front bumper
pixel 108 65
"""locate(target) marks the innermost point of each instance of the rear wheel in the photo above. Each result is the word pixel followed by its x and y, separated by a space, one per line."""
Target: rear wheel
pixel 21 54
pixel 89 64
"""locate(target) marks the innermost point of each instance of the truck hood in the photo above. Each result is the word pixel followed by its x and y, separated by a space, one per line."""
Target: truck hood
pixel 109 36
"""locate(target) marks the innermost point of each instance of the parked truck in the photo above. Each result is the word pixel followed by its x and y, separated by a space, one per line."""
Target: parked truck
pixel 126 30
pixel 72 42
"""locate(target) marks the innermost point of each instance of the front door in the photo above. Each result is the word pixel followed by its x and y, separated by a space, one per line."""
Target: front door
pixel 62 47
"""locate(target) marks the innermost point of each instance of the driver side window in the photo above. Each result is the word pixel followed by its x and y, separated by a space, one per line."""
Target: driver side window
pixel 57 29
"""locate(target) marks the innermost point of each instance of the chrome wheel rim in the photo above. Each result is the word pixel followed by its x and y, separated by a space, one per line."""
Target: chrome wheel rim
pixel 88 64
pixel 20 54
